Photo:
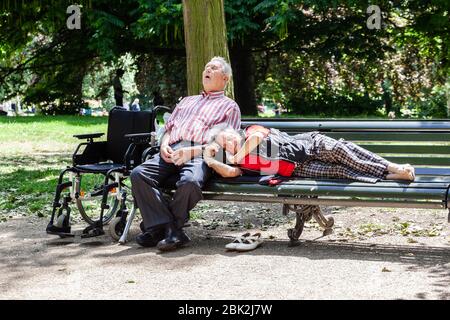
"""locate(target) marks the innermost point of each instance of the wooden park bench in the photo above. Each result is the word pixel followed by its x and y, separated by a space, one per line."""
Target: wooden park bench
pixel 424 144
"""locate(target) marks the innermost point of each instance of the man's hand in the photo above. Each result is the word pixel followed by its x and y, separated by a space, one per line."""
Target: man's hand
pixel 183 155
pixel 166 153
pixel 211 150
pixel 209 153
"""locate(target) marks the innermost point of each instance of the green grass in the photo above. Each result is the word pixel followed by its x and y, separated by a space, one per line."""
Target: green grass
pixel 45 134
pixel 33 151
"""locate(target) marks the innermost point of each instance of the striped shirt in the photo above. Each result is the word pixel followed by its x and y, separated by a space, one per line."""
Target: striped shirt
pixel 195 115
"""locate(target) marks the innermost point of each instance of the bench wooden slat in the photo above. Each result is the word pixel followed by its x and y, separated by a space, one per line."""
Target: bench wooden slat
pixel 380 184
pixel 359 136
pixel 429 179
pixel 428 150
pixel 321 190
pixel 435 172
pixel 416 193
pixel 436 161
pixel 354 124
pixel 388 136
pixel 443 181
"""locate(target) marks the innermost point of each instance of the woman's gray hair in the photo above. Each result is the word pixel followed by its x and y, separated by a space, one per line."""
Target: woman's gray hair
pixel 221 127
pixel 226 68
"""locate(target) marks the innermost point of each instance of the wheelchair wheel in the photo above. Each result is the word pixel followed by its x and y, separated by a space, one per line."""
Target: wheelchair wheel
pixel 116 228
pixel 90 189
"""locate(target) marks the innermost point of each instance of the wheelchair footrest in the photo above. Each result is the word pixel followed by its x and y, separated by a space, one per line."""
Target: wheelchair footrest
pixel 63 232
pixel 92 231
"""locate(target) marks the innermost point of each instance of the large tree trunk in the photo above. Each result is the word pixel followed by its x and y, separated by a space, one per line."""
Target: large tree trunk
pixel 244 79
pixel 205 37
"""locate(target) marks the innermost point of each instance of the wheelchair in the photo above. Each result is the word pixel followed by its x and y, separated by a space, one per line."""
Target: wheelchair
pixel 97 180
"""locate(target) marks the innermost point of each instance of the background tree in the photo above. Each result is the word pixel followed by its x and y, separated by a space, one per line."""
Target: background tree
pixel 205 37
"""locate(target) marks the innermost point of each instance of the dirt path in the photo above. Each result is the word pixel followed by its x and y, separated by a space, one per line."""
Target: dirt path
pixel 372 254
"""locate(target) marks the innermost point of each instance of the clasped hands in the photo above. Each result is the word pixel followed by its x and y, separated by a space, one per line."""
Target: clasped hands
pixel 183 155
pixel 178 157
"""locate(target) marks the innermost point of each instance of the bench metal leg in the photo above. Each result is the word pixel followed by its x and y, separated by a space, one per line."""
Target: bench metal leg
pixel 325 223
pixel 448 217
pixel 304 213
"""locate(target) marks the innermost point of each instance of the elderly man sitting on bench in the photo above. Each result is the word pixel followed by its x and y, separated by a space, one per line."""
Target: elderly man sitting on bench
pixel 180 153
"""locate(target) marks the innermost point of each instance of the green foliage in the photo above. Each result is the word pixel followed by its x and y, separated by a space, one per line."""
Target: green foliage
pixel 153 75
pixel 314 56
pixel 161 21
pixel 47 63
pixel 329 63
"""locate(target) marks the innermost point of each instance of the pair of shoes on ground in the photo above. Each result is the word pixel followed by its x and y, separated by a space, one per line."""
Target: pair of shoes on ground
pixel 150 238
pixel 246 242
pixel 165 238
pixel 175 238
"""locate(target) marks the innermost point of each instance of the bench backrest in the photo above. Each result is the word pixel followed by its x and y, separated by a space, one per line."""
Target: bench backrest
pixel 422 143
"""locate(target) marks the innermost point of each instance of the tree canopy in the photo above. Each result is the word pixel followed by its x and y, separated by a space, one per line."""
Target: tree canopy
pixel 315 57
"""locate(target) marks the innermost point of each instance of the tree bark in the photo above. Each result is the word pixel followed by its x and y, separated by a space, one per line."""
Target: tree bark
pixel 243 65
pixel 205 37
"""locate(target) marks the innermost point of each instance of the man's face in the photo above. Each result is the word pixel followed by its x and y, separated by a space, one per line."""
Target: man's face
pixel 213 77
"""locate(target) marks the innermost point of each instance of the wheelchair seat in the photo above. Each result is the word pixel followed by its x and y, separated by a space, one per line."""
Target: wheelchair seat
pixel 98 168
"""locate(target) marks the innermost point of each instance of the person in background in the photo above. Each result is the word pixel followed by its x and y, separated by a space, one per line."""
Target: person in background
pixel 117 86
pixel 278 110
pixel 135 105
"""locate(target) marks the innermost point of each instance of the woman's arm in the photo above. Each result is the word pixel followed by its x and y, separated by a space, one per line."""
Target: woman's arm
pixel 249 145
pixel 222 169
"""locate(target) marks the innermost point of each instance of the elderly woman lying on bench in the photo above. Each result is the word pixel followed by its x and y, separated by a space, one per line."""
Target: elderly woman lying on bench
pixel 310 155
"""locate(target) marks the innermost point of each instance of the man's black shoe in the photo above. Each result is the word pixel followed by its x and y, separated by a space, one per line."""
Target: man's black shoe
pixel 150 238
pixel 175 238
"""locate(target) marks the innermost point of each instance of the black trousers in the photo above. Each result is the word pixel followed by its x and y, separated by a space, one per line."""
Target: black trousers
pixel 148 178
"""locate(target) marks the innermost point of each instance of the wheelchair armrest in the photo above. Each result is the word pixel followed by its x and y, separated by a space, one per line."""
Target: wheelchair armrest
pixel 134 156
pixel 157 108
pixel 139 138
pixel 149 152
pixel 88 136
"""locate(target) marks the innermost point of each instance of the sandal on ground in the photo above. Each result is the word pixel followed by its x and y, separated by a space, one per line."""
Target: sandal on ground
pixel 238 240
pixel 250 243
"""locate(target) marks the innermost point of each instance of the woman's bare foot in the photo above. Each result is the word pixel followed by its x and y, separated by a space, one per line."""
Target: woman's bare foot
pixel 403 169
pixel 395 168
pixel 409 168
pixel 400 176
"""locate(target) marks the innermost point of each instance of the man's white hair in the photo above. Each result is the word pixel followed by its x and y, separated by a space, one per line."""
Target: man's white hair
pixel 226 68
